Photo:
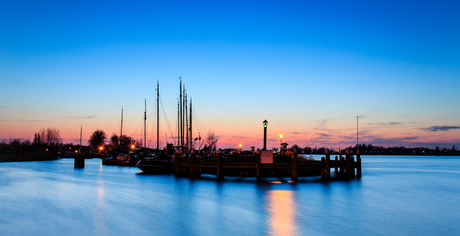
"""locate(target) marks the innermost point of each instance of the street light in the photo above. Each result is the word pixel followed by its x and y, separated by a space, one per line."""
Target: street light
pixel 281 139
pixel 129 152
pixel 265 134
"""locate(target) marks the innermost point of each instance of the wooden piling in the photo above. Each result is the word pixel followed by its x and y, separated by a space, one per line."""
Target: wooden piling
pixel 258 167
pixel 178 160
pixel 327 165
pixel 358 165
pixel 323 171
pixel 342 165
pixel 220 173
pixel 294 167
pixel 336 168
pixel 192 165
pixel 79 162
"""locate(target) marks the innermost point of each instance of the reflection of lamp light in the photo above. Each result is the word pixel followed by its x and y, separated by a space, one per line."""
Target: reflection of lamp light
pixel 281 210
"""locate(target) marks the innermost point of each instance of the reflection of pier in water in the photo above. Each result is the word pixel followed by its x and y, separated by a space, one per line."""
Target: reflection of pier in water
pixel 281 209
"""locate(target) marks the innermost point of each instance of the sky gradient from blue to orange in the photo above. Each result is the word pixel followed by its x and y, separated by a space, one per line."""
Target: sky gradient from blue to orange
pixel 308 67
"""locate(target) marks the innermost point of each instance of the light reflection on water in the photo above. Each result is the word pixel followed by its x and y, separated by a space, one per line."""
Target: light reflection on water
pixel 396 195
pixel 282 213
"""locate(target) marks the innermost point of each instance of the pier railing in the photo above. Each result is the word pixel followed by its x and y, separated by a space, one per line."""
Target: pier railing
pixel 189 164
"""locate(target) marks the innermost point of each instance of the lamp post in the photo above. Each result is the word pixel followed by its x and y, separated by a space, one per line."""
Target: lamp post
pixel 265 135
pixel 129 151
pixel 281 139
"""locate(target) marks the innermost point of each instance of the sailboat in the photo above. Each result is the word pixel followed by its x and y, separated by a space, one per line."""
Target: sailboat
pixel 161 162
pixel 119 160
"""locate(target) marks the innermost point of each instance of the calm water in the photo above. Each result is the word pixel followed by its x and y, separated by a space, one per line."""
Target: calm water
pixel 395 196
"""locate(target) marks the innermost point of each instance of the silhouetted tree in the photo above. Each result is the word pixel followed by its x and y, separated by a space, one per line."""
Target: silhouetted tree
pixel 125 142
pixel 114 141
pixel 96 140
pixel 49 137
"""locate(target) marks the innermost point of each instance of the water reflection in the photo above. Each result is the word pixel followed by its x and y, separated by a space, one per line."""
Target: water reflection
pixel 281 209
pixel 101 222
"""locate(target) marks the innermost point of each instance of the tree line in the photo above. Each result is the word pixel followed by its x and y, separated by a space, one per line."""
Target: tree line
pixel 369 149
pixel 49 140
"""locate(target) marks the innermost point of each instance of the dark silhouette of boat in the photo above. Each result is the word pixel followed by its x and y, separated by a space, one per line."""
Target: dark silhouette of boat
pixel 121 160
pixel 161 164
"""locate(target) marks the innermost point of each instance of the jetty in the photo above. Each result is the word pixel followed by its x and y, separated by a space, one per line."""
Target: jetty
pixel 188 164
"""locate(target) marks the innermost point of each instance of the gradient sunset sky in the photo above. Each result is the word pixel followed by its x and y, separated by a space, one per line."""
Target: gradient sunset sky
pixel 308 67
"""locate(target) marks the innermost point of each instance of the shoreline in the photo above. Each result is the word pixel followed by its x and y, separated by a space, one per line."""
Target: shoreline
pixel 9 157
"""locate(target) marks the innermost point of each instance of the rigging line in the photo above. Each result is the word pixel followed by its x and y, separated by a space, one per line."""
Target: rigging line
pixel 199 122
pixel 199 125
pixel 132 122
pixel 135 132
pixel 166 118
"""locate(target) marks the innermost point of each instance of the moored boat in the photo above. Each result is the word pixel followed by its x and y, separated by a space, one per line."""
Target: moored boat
pixel 161 164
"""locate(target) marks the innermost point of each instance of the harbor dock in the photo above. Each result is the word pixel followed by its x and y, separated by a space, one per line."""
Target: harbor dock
pixel 347 166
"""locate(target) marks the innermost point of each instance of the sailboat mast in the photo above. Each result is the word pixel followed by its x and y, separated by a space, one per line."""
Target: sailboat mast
pixel 158 116
pixel 191 137
pixel 81 130
pixel 145 119
pixel 121 127
pixel 357 133
pixel 180 114
pixel 186 122
pixel 178 123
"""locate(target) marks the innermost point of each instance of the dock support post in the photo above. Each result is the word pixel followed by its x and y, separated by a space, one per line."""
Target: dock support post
pixel 335 168
pixel 220 174
pixel 323 171
pixel 358 162
pixel 258 167
pixel 177 165
pixel 352 165
pixel 349 164
pixel 192 165
pixel 342 165
pixel 294 167
pixel 328 166
pixel 79 162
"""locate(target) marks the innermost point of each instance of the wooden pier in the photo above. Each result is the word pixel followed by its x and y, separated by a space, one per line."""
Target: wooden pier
pixel 345 167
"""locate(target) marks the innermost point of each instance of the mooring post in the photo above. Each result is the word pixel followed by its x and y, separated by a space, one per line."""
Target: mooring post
pixel 347 163
pixel 352 165
pixel 258 166
pixel 192 165
pixel 328 165
pixel 342 165
pixel 335 168
pixel 323 171
pixel 358 162
pixel 294 167
pixel 220 174
pixel 176 162
pixel 350 170
pixel 79 162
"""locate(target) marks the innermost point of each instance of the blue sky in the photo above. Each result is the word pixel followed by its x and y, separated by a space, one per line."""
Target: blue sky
pixel 308 67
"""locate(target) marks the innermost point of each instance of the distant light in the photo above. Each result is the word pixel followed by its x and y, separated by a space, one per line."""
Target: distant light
pixel 132 146
pixel 241 145
pixel 281 135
